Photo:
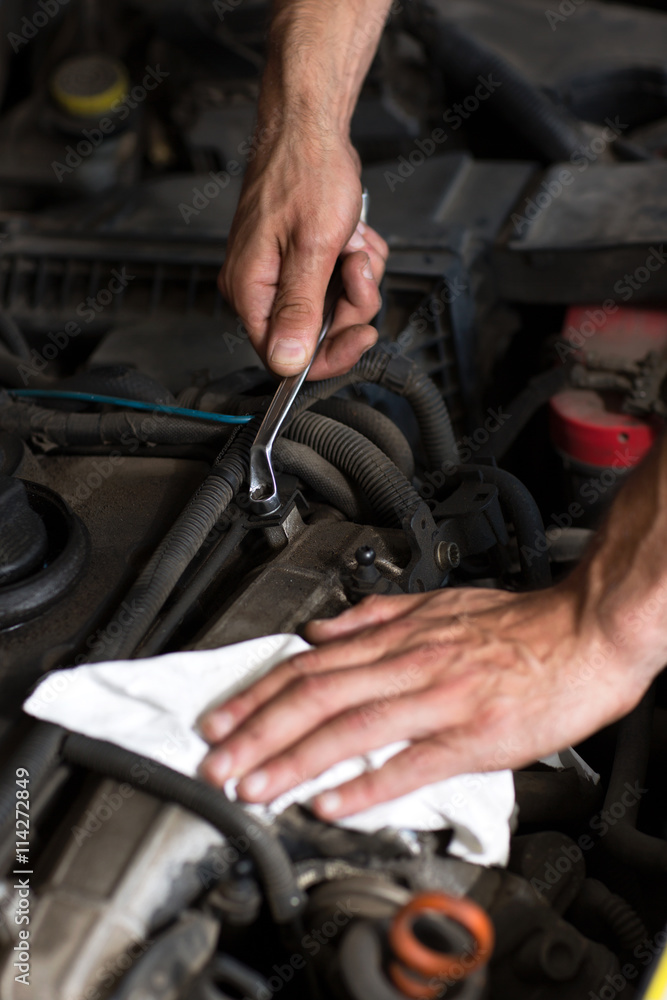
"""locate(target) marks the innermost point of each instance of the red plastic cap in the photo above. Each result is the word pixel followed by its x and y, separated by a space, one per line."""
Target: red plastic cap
pixel 585 430
pixel 589 426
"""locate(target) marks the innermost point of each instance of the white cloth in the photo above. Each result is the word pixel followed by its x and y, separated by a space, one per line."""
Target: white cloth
pixel 152 707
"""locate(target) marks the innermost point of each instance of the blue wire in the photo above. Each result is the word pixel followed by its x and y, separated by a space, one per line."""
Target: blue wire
pixel 133 404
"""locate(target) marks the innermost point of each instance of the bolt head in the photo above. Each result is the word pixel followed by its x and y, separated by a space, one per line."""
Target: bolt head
pixel 365 555
pixel 447 555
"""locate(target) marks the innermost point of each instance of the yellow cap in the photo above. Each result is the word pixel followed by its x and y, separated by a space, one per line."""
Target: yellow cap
pixel 89 85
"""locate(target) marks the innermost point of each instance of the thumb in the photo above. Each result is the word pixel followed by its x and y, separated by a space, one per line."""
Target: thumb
pixel 296 318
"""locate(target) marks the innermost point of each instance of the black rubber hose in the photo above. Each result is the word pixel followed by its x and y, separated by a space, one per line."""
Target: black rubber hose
pixel 373 425
pixel 596 900
pixel 433 418
pixel 204 577
pixel 39 754
pixel 285 899
pixel 12 336
pixel 67 429
pixel 361 964
pixel 227 971
pixel 177 550
pixel 552 130
pixel 623 840
pixel 320 475
pixel 519 507
pixel 362 967
pixel 379 366
pixel 403 376
pixel 387 490
pixel 524 406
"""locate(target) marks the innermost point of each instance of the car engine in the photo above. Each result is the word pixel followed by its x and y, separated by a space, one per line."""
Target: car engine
pixel 514 158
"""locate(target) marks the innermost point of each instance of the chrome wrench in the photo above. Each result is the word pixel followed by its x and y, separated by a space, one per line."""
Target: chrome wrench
pixel 264 497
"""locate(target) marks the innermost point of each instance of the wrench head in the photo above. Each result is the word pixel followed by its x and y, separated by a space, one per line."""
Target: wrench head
pixel 264 497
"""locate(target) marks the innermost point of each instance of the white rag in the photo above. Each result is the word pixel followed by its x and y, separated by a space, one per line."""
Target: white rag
pixel 152 707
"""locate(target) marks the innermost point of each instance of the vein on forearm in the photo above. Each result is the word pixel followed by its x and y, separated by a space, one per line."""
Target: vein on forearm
pixel 318 55
pixel 625 571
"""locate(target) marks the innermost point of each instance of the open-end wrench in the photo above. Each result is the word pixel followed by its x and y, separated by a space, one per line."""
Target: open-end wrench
pixel 264 497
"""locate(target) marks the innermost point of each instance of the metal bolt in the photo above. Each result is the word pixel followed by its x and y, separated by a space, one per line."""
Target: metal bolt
pixel 365 555
pixel 447 556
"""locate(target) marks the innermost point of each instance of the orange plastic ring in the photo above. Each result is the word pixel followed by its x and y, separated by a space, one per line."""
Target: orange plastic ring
pixel 410 986
pixel 417 957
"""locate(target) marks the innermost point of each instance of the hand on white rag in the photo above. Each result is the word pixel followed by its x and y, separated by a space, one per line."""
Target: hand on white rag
pixel 152 707
pixel 468 680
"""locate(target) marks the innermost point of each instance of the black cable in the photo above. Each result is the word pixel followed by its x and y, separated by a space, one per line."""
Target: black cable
pixel 171 620
pixel 67 429
pixel 178 548
pixel 39 754
pixel 285 899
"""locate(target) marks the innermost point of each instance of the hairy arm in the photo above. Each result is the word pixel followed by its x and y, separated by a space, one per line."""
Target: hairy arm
pixel 301 199
pixel 475 679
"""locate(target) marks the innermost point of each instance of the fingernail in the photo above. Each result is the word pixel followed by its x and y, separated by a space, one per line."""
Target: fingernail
pixel 220 765
pixel 367 270
pixel 289 351
pixel 219 725
pixel 357 239
pixel 329 803
pixel 254 784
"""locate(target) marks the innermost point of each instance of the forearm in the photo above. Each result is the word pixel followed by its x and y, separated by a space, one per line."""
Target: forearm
pixel 319 53
pixel 623 578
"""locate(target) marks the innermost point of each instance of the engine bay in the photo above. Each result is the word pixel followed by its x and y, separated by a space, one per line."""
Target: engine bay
pixel 515 164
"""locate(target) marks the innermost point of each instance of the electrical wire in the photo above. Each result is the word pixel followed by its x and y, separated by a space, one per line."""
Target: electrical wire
pixel 133 404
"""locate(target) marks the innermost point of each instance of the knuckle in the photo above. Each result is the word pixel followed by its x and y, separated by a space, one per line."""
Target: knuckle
pixel 315 241
pixel 357 720
pixel 423 757
pixel 374 602
pixel 316 688
pixel 302 664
